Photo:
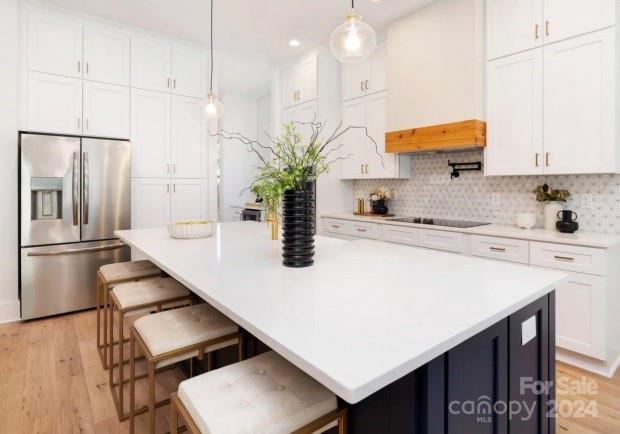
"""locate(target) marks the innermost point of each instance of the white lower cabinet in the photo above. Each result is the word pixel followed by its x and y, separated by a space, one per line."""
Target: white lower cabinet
pixel 150 202
pixel 400 234
pixel 444 240
pixel 54 104
pixel 504 249
pixel 155 202
pixel 106 110
pixel 188 199
pixel 580 315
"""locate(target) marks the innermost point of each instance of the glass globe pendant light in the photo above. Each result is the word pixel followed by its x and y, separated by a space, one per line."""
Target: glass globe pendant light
pixel 214 108
pixel 354 40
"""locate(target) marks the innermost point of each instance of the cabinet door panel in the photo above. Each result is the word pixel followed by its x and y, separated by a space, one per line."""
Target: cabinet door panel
pixel 54 44
pixel 306 80
pixel 106 55
pixel 512 26
pixel 568 18
pixel 377 70
pixel 150 65
pixel 54 104
pixel 514 115
pixel 106 110
pixel 580 315
pixel 189 199
pixel 150 203
pixel 150 133
pixel 189 152
pixel 379 163
pixel 189 72
pixel 579 95
pixel 353 78
pixel 353 151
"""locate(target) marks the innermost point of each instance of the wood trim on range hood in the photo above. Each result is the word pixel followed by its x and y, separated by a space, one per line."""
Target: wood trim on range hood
pixel 443 137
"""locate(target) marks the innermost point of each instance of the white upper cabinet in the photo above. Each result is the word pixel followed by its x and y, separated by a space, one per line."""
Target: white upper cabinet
pixel 515 118
pixel 54 104
pixel 360 79
pixel 106 55
pixel 568 18
pixel 105 110
pixel 189 72
pixel 54 44
pixel 150 202
pixel 579 112
pixel 363 159
pixel 299 82
pixel 189 146
pixel 150 65
pixel 513 26
pixel 150 133
pixel 188 200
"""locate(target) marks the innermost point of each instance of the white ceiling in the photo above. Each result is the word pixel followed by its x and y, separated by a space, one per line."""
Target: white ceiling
pixel 256 28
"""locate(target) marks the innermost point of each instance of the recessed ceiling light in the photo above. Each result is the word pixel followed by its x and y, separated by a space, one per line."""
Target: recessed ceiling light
pixel 294 43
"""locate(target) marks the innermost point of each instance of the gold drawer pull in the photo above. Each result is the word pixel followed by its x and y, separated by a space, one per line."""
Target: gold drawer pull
pixel 497 249
pixel 361 230
pixel 564 258
pixel 336 226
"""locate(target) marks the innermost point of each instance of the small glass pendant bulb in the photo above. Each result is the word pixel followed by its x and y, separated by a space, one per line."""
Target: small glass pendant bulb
pixel 354 40
pixel 214 108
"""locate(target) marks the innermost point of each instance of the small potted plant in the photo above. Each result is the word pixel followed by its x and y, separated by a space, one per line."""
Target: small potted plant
pixel 379 199
pixel 552 199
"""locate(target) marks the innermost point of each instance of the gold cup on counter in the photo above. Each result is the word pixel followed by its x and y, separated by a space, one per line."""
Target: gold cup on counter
pixel 361 206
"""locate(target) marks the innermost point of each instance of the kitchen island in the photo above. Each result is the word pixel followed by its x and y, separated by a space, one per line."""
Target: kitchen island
pixel 406 336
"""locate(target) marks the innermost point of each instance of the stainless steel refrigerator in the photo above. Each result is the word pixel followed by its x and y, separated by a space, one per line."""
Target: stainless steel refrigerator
pixel 74 193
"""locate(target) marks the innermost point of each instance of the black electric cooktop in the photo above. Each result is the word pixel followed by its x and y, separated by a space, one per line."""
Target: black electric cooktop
pixel 437 222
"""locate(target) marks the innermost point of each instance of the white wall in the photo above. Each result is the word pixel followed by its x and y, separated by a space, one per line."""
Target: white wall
pixel 237 165
pixel 9 304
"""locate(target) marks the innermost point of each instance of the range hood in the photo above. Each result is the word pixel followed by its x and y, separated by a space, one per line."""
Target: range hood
pixel 435 66
pixel 469 134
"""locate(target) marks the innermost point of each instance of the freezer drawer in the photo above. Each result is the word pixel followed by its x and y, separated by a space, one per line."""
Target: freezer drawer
pixel 62 278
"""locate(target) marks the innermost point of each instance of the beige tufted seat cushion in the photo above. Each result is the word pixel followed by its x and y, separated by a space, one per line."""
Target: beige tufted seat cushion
pixel 264 394
pixel 128 270
pixel 151 291
pixel 179 328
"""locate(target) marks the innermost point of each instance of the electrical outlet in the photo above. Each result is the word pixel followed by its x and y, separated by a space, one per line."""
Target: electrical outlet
pixel 586 201
pixel 496 199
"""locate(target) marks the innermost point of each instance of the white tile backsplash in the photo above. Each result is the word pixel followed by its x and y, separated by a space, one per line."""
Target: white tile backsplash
pixel 430 192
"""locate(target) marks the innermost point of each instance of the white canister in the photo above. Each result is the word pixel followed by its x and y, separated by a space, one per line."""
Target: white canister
pixel 551 211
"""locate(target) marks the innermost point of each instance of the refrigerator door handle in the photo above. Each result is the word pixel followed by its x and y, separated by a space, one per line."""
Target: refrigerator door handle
pixel 75 187
pixel 86 189
pixel 75 251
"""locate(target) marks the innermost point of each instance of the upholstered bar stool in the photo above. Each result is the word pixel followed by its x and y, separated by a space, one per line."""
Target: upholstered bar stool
pixel 172 336
pixel 264 394
pixel 143 296
pixel 107 276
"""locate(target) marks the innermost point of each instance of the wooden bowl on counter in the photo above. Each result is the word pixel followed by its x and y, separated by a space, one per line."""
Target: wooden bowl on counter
pixel 191 229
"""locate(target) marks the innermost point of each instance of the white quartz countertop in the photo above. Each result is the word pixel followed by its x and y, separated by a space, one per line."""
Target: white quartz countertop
pixel 366 314
pixel 579 238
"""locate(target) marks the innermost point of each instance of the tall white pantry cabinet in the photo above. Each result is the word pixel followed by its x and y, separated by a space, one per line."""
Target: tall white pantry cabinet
pixel 92 78
pixel 552 87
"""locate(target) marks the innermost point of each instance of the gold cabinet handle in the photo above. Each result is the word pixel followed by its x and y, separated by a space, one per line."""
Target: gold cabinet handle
pixel 79 124
pixel 174 83
pixel 86 123
pixel 536 30
pixel 362 86
pixel 167 188
pixel 79 64
pixel 497 249
pixel 168 83
pixel 564 258
pixel 547 28
pixel 366 166
pixel 361 230
pixel 361 168
pixel 547 159
pixel 536 160
pixel 86 67
pixel 366 84
pixel 336 226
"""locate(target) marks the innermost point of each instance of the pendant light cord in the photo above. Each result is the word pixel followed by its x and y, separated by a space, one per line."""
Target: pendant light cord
pixel 211 78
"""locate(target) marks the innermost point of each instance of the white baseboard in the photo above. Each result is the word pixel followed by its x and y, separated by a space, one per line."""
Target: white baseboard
pixel 9 311
pixel 604 368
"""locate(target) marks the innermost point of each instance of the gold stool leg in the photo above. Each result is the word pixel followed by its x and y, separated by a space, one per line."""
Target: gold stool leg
pixel 121 361
pixel 151 416
pixel 106 309
pixel 132 381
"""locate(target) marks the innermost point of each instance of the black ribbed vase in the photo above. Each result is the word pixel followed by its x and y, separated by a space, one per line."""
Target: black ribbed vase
pixel 298 216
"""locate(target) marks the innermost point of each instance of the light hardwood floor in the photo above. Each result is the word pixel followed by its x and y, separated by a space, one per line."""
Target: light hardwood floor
pixel 51 381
